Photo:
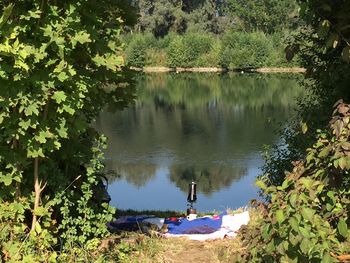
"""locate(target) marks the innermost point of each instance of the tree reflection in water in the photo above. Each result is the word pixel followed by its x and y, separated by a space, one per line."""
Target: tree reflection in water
pixel 209 180
pixel 201 127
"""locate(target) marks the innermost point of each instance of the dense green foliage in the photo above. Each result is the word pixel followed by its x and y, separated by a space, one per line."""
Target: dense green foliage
pixel 308 216
pixel 267 15
pixel 323 51
pixel 231 50
pixel 205 33
pixel 58 63
pixel 161 17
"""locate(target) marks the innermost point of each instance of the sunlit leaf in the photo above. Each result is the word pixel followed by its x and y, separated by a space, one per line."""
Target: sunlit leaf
pixel 6 14
pixel 303 127
pixel 308 213
pixel 342 228
pixel 59 96
pixel 280 216
pixel 260 184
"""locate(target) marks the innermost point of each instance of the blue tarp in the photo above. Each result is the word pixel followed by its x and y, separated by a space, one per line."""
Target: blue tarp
pixel 203 225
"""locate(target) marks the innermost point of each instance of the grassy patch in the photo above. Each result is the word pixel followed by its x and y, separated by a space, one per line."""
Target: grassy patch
pixel 138 247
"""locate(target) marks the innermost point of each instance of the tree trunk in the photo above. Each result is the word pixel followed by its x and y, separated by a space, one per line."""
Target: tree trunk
pixel 38 188
pixel 18 184
pixel 37 191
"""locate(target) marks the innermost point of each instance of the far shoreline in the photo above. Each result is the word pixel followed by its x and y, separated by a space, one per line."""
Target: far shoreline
pixel 219 70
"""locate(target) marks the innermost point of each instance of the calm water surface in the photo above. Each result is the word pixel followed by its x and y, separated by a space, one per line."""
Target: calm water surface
pixel 206 128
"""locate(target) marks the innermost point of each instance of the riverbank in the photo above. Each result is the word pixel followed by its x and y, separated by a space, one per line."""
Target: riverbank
pixel 219 70
pixel 140 247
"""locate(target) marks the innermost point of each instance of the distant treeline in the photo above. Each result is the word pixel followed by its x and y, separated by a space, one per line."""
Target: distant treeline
pixel 211 33
pixel 160 17
pixel 229 50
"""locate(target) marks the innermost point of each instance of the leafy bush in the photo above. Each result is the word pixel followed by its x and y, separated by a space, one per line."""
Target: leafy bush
pixel 176 52
pixel 58 64
pixel 211 58
pixel 186 50
pixel 137 48
pixel 307 219
pixel 234 50
pixel 241 50
pixel 155 57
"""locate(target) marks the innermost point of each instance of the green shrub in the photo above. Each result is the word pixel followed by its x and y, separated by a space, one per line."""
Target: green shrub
pixel 56 65
pixel 211 58
pixel 155 57
pixel 176 52
pixel 234 50
pixel 196 45
pixel 241 50
pixel 137 48
pixel 184 51
pixel 307 219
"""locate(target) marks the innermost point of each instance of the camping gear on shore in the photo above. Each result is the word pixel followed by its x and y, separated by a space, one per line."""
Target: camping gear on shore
pixel 201 229
pixel 202 225
pixel 230 224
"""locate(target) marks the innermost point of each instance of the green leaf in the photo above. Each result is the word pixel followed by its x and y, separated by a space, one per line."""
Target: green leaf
pixel 33 153
pixel 292 199
pixel 24 124
pixel 62 130
pixel 270 248
pixel 326 258
pixel 43 135
pixel 280 216
pixel 286 183
pixel 304 232
pixel 305 246
pixel 81 37
pixel 31 109
pixel 303 127
pixel 330 194
pixel 62 76
pixel 6 14
pixel 37 227
pixel 59 96
pixel 343 163
pixel 40 211
pixel 266 232
pixel 342 228
pixel 6 179
pixel 68 109
pixel 307 213
pixel 260 184
pixel 325 151
pixel 294 224
pixel 307 182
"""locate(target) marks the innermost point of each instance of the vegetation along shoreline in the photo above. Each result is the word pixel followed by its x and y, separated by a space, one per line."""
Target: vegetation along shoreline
pixel 219 69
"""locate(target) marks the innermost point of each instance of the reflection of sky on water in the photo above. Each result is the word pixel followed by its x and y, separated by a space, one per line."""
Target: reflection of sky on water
pixel 177 131
pixel 160 194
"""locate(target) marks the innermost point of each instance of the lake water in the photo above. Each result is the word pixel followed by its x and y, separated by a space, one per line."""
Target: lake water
pixel 206 128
